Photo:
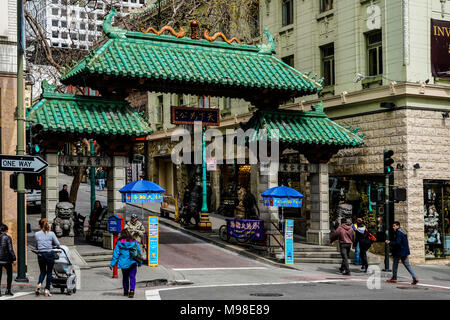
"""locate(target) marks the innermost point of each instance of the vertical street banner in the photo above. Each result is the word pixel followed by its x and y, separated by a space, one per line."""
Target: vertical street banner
pixel 289 242
pixel 153 241
pixel 440 48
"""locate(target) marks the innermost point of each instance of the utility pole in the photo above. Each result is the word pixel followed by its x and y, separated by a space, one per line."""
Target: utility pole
pixel 20 116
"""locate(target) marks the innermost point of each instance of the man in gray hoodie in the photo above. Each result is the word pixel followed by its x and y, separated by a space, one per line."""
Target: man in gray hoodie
pixel 346 237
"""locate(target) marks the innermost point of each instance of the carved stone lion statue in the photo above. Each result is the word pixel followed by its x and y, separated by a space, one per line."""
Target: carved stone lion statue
pixel 63 223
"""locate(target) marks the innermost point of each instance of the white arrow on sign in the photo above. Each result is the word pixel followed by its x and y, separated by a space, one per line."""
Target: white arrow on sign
pixel 22 163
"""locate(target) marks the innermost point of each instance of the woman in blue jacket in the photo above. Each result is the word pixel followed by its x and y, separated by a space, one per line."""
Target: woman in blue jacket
pixel 124 261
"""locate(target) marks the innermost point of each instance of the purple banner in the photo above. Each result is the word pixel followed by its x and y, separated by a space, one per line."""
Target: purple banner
pixel 248 229
pixel 440 48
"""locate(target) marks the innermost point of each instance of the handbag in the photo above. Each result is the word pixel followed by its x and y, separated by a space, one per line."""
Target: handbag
pixel 135 254
pixel 371 237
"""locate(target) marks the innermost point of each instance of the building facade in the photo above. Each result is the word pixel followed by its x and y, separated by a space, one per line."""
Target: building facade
pixel 376 58
pixel 76 26
pixel 8 102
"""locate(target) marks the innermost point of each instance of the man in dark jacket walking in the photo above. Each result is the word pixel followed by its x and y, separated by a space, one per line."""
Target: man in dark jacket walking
pixel 400 251
pixel 7 257
pixel 346 237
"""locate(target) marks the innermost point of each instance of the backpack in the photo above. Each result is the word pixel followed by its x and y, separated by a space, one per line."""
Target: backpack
pixel 135 254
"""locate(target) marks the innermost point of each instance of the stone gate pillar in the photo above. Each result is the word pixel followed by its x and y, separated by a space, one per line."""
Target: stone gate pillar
pixel 268 178
pixel 319 231
pixel 116 179
pixel 50 186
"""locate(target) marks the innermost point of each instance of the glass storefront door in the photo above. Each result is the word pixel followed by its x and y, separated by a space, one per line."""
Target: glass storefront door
pixel 436 218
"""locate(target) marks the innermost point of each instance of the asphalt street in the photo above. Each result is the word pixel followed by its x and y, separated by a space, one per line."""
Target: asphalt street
pixel 192 269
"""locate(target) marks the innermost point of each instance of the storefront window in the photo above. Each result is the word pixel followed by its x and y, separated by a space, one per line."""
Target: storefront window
pixel 359 197
pixel 232 177
pixel 436 218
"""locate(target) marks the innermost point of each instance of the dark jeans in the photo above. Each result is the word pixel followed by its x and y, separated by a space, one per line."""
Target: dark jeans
pixel 46 262
pixel 345 252
pixel 129 278
pixel 363 256
pixel 8 267
pixel 405 262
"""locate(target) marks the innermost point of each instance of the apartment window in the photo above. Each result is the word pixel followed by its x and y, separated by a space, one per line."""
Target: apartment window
pixel 55 11
pixel 82 14
pixel 91 15
pixel 133 1
pixel 55 44
pixel 64 45
pixel 326 5
pixel 91 27
pixel 54 23
pixel 63 12
pixel 374 53
pixel 289 60
pixel 55 34
pixel 63 24
pixel 91 38
pixel 141 1
pixel 55 1
pixel 327 56
pixel 82 26
pixel 99 16
pixel 82 37
pixel 159 110
pixel 64 35
pixel 74 36
pixel 287 12
pixel 99 27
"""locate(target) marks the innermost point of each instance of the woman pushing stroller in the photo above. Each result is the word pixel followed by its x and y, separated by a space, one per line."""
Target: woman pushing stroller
pixel 45 240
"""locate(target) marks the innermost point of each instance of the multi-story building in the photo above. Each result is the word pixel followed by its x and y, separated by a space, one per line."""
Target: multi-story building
pixel 75 26
pixel 385 72
pixel 8 102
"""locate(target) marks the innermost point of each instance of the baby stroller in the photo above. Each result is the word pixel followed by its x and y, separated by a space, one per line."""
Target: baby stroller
pixel 64 276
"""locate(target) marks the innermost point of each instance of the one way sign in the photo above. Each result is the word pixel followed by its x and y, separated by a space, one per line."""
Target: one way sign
pixel 22 163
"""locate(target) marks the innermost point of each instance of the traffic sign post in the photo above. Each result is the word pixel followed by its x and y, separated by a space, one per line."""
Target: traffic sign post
pixel 22 163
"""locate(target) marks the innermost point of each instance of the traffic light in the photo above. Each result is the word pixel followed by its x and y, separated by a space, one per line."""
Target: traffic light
pixel 37 139
pixel 33 181
pixel 388 161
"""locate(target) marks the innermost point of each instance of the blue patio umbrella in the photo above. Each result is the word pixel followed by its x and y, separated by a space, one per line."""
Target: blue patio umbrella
pixel 142 191
pixel 282 197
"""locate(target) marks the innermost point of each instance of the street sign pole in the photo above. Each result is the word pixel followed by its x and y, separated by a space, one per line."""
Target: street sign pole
pixel 92 177
pixel 20 114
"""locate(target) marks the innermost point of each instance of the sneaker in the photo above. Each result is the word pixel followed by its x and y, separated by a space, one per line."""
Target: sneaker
pixel 38 289
pixel 392 280
pixel 131 294
pixel 347 273
pixel 125 293
pixel 415 281
pixel 9 292
pixel 47 293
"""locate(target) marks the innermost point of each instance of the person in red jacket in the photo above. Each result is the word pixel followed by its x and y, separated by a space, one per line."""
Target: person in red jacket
pixel 346 237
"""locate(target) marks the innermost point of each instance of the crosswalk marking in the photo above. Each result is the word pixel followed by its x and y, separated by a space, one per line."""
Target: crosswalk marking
pixel 212 269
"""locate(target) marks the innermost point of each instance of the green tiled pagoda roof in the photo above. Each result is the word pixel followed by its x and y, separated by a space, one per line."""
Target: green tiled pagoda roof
pixel 185 62
pixel 303 127
pixel 67 113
